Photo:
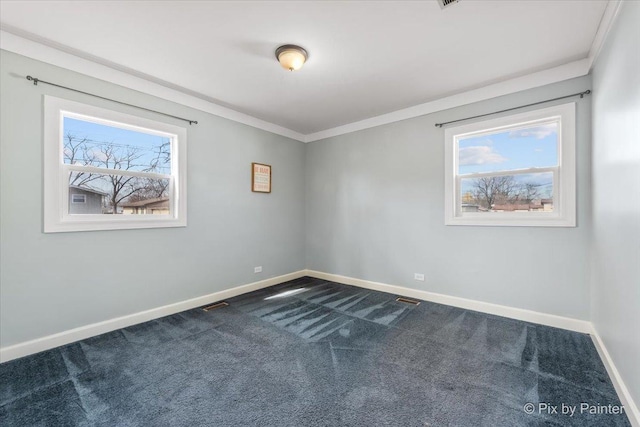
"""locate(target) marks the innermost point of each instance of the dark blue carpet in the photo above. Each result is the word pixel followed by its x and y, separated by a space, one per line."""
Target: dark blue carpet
pixel 313 353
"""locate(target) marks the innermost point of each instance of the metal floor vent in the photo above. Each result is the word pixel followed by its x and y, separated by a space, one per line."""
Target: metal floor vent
pixel 408 301
pixel 446 3
pixel 216 305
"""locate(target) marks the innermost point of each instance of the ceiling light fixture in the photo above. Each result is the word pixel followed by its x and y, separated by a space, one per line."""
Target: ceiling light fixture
pixel 291 57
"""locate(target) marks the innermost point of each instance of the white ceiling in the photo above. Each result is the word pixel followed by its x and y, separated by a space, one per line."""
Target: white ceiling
pixel 366 58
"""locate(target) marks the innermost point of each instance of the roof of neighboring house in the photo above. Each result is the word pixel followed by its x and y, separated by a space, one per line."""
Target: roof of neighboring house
pixel 90 190
pixel 519 207
pixel 158 202
pixel 535 204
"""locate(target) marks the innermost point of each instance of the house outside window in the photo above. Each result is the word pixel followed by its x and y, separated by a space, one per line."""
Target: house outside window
pixel 99 162
pixel 517 170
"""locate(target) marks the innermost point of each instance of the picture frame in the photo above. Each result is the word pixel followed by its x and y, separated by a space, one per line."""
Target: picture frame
pixel 260 178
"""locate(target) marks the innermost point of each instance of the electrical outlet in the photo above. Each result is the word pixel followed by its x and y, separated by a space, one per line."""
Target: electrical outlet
pixel 419 277
pixel 259 269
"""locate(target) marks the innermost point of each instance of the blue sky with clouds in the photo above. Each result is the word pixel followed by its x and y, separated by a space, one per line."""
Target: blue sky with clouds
pixel 146 144
pixel 515 149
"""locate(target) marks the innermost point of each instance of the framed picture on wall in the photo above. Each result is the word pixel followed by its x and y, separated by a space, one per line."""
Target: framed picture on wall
pixel 260 178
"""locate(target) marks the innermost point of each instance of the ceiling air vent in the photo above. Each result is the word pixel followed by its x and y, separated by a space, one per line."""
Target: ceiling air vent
pixel 446 3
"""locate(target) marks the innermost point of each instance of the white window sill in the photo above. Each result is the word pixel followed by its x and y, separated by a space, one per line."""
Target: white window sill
pixel 518 220
pixel 118 223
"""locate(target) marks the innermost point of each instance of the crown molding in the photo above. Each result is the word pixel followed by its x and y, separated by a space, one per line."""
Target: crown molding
pixel 35 47
pixel 541 78
pixel 606 23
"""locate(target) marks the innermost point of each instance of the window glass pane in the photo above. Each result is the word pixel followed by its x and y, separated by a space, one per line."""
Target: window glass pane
pixel 528 147
pixel 98 145
pixel 126 195
pixel 507 193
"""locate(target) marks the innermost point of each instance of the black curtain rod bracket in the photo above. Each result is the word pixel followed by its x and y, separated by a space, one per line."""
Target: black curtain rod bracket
pixel 581 94
pixel 36 80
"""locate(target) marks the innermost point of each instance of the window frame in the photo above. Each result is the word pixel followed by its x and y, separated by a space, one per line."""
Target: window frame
pixel 564 182
pixel 56 179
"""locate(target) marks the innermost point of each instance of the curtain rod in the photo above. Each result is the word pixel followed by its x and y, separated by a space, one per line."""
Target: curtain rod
pixel 582 94
pixel 36 81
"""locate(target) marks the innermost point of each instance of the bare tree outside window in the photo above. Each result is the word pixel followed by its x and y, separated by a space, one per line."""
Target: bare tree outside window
pixel 530 191
pixel 114 158
pixel 489 190
pixel 504 192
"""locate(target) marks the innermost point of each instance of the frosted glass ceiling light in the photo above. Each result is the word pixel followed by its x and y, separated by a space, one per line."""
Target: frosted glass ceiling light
pixel 291 57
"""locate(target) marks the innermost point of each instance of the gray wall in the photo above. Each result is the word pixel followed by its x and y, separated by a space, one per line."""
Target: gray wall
pixel 375 211
pixel 616 196
pixel 230 229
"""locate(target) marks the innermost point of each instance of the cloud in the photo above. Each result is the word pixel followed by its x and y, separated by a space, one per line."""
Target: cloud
pixel 479 155
pixel 538 132
pixel 97 154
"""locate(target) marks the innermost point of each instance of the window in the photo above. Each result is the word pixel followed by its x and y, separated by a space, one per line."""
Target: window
pixel 513 171
pixel 78 198
pixel 116 165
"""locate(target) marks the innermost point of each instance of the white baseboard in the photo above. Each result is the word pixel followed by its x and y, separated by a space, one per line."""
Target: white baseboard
pixel 577 325
pixel 45 343
pixel 630 407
